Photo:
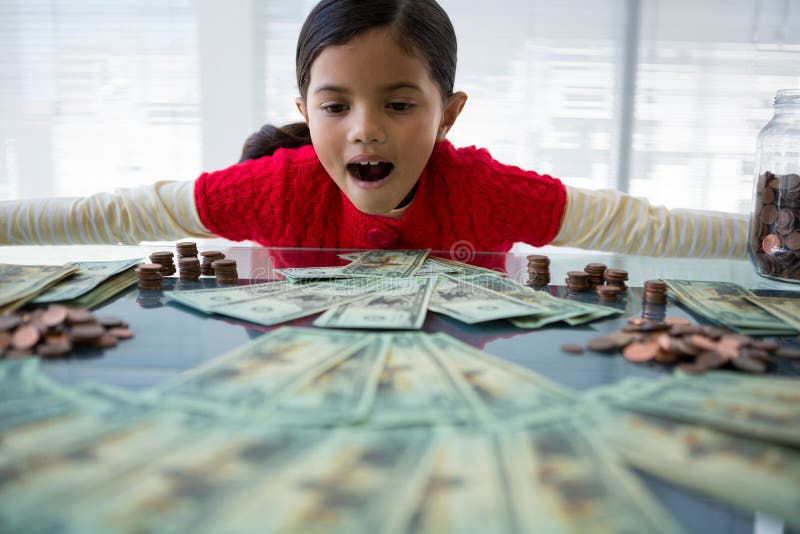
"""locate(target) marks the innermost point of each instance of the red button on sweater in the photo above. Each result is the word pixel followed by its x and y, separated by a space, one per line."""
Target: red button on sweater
pixel 464 199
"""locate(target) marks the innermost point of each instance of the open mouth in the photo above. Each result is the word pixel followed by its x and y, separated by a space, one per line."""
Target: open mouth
pixel 372 171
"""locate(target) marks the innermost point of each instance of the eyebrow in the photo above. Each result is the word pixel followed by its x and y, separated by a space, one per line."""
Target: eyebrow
pixel 385 89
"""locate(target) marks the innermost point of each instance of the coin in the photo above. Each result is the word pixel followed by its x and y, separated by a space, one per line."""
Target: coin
pixel 772 243
pixel 572 348
pixel 54 315
pixel 640 351
pixel 25 337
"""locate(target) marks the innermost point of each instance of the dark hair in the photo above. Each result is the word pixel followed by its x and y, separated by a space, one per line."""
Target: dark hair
pixel 419 26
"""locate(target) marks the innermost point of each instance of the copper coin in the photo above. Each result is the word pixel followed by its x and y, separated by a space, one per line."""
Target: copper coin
pixel 665 356
pixel 84 333
pixel 769 214
pixel 572 348
pixel 53 350
pixel 9 322
pixel 227 262
pixel 793 240
pixel 58 338
pixel 110 322
pixel 641 351
pixel 764 344
pixel 54 315
pixel 710 360
pixel 702 342
pixel 25 337
pixel 790 182
pixel 106 341
pixel 602 344
pixel 5 340
pixel 768 196
pixel 121 333
pixel 538 257
pixel 750 365
pixel 78 315
pixel 149 268
pixel 772 243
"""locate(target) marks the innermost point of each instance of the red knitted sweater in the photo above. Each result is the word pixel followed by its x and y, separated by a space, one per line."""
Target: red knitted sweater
pixel 464 198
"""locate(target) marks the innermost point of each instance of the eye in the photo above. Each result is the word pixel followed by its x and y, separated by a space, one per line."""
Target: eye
pixel 334 109
pixel 400 106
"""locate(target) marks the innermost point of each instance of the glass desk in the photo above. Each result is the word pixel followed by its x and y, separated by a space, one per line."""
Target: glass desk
pixel 170 338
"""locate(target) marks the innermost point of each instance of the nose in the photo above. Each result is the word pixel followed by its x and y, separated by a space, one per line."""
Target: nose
pixel 366 127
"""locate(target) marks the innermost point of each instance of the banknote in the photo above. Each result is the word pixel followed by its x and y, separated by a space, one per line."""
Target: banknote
pixel 297 301
pixel 304 274
pixel 206 300
pixel 470 303
pixel 386 263
pixel 562 480
pixel 396 303
pixel 708 402
pixel 785 309
pixel 357 481
pixel 338 395
pixel 414 388
pixel 742 471
pixel 552 309
pixel 252 378
pixel 105 290
pixel 90 275
pixel 465 490
pixel 21 283
pixel 726 304
pixel 499 391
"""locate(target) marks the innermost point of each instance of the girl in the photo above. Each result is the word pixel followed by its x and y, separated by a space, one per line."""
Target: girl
pixel 370 167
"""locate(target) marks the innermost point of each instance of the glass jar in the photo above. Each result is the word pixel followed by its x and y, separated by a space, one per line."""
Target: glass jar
pixel 774 237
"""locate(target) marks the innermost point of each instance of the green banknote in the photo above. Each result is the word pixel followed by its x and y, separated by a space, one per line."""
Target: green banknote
pixel 386 263
pixel 467 302
pixel 785 309
pixel 90 275
pixel 206 300
pixel 21 283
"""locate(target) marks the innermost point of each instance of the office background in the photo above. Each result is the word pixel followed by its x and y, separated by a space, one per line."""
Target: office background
pixel 661 98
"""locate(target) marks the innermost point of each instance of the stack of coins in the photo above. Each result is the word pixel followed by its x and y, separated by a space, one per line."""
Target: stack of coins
pixel 55 331
pixel 186 249
pixel 608 293
pixel 225 269
pixel 164 259
pixel 655 292
pixel 616 277
pixel 538 270
pixel 595 271
pixel 209 257
pixel 577 280
pixel 695 348
pixel 189 268
pixel 149 276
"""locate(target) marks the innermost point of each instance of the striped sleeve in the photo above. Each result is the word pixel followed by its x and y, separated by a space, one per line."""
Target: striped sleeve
pixel 164 211
pixel 612 221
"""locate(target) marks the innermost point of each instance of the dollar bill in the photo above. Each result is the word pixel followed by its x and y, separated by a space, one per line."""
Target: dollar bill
pixel 465 490
pixel 339 395
pixel 562 480
pixel 386 263
pixel 89 276
pixel 726 304
pixel 499 391
pixel 414 388
pixel 712 403
pixel 206 300
pixel 105 290
pixel 461 268
pixel 20 284
pixel 552 309
pixel 296 301
pixel 470 303
pixel 304 274
pixel 785 309
pixel 744 472
pixel 252 378
pixel 397 303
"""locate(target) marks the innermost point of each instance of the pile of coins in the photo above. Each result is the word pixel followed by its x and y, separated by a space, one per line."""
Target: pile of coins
pixel 608 293
pixel 577 281
pixel 189 268
pixel 595 272
pixel 164 259
pixel 209 257
pixel 538 270
pixel 655 292
pixel 775 225
pixel 616 277
pixel 694 348
pixel 55 331
pixel 225 270
pixel 149 276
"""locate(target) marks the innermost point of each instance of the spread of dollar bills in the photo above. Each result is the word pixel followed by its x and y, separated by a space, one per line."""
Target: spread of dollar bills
pixel 310 430
pixel 390 289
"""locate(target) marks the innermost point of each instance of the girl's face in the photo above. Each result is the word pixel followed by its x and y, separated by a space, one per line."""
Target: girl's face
pixel 374 114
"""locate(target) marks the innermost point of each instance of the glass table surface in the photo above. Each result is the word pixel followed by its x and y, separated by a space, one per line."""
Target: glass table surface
pixel 171 338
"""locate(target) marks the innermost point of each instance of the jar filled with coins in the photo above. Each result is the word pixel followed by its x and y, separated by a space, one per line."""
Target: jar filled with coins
pixel 774 240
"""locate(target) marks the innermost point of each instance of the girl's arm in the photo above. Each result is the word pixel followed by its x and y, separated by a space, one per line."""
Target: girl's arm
pixel 164 211
pixel 612 221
